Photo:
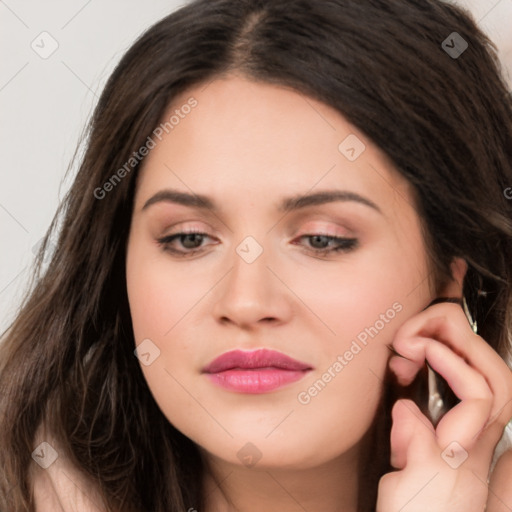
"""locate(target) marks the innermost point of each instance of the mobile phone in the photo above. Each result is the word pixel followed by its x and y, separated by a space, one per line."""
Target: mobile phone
pixel 431 393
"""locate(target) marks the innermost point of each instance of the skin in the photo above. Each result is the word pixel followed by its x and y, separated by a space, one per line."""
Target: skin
pixel 247 146
pixel 449 467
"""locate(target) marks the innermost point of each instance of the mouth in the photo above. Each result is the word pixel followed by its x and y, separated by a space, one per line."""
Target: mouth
pixel 259 371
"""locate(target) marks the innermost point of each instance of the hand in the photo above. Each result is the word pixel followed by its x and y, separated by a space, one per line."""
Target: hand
pixel 445 468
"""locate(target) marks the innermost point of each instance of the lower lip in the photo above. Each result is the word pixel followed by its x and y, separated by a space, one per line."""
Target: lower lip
pixel 255 381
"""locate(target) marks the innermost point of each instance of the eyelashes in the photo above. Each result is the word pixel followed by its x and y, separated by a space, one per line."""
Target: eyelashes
pixel 333 244
pixel 167 242
pixel 341 244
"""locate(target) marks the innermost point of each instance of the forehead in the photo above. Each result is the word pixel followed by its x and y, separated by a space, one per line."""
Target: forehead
pixel 244 139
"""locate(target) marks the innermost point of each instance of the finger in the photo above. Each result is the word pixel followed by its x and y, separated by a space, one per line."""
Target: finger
pixel 404 369
pixel 412 435
pixel 466 420
pixel 466 382
pixel 448 324
pixel 482 357
pixel 407 366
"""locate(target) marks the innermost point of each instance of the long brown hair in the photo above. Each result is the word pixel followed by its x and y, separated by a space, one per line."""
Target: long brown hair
pixel 444 120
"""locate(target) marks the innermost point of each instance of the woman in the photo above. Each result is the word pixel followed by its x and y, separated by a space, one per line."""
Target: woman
pixel 280 212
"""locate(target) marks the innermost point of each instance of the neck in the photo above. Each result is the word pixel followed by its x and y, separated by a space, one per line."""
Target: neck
pixel 331 487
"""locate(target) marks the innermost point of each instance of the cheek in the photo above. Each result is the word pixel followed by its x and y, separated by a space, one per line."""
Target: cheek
pixel 159 297
pixel 342 396
pixel 159 301
pixel 362 296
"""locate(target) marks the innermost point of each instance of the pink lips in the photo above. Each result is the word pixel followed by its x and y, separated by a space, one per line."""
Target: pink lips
pixel 258 371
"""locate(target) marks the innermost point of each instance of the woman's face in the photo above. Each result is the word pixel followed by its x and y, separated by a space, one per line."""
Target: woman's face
pixel 258 278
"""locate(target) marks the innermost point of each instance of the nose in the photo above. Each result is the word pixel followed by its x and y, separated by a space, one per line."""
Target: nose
pixel 251 294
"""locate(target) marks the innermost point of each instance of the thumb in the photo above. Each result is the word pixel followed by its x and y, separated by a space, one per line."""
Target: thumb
pixel 412 434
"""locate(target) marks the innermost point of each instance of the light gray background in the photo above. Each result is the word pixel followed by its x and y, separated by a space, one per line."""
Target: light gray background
pixel 45 103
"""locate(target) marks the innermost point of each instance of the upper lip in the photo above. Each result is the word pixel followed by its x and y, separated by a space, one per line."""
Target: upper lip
pixel 262 358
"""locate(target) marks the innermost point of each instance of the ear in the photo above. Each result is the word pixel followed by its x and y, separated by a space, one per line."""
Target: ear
pixel 453 288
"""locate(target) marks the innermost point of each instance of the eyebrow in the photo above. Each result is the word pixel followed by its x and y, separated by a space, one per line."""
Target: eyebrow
pixel 292 203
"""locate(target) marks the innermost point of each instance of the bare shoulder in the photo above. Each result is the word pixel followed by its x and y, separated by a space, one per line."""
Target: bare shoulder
pixel 57 485
pixel 500 485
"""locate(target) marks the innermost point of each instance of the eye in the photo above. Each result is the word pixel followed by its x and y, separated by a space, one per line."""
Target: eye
pixel 326 244
pixel 191 243
pixel 190 240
